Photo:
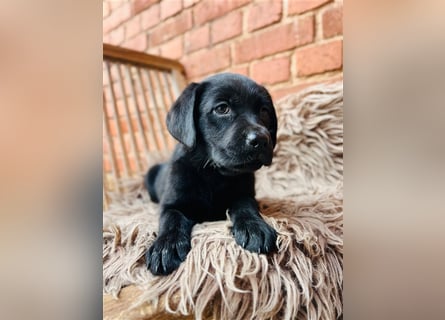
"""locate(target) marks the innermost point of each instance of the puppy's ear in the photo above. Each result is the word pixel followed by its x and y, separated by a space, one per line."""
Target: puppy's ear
pixel 273 116
pixel 180 118
pixel 273 126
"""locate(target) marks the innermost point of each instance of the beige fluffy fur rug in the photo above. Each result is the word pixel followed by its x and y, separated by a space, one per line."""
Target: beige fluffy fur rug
pixel 300 195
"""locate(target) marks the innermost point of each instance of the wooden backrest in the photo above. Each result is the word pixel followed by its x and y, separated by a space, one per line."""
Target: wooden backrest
pixel 138 90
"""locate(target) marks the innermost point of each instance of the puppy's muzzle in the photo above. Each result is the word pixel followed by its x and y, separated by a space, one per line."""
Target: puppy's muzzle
pixel 259 143
pixel 257 140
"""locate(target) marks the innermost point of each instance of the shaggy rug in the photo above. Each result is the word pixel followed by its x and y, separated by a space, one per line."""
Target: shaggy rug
pixel 300 195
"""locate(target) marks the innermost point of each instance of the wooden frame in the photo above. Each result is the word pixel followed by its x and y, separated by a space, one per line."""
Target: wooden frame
pixel 111 52
pixel 139 89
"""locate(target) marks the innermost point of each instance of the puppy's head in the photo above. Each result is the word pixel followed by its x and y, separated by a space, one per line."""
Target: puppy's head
pixel 230 117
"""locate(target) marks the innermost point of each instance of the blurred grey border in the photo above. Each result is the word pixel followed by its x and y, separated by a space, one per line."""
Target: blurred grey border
pixel 50 159
pixel 394 78
pixel 51 131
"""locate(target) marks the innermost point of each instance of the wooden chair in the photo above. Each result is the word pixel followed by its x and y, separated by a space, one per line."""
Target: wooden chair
pixel 138 90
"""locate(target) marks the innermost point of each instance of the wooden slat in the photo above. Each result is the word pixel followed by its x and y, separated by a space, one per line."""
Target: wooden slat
pixel 128 118
pixel 178 82
pixel 171 97
pixel 116 120
pixel 157 106
pixel 140 133
pixel 149 117
pixel 167 90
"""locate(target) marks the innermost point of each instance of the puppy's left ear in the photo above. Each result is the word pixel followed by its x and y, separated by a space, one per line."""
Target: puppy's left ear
pixel 180 118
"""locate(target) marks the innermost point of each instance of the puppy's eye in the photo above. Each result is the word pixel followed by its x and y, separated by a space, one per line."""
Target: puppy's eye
pixel 222 109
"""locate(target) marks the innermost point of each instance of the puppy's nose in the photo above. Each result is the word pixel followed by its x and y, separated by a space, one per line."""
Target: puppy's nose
pixel 257 140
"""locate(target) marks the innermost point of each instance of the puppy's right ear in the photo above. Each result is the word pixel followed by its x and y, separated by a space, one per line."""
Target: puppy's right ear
pixel 180 118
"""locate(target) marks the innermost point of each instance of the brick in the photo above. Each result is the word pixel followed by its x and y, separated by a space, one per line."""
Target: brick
pixel 106 38
pixel 271 71
pixel 154 51
pixel 131 105
pixel 124 126
pixel 277 94
pixel 244 70
pixel 113 75
pixel 300 6
pixel 320 58
pixel 106 10
pixel 132 162
pixel 189 3
pixel 117 36
pixel 263 13
pixel 117 17
pixel 145 125
pixel 140 5
pixel 105 146
pixel 282 92
pixel 151 17
pixel 117 146
pixel 118 95
pixel 113 128
pixel 170 8
pixel 197 38
pixel 114 4
pixel 278 39
pixel 138 105
pixel 138 43
pixel 140 143
pixel 207 61
pixel 207 10
pixel 120 164
pixel 134 125
pixel 121 111
pixel 332 21
pixel 104 76
pixel 227 27
pixel 106 164
pixel 133 27
pixel 168 30
pixel 173 49
pixel 196 79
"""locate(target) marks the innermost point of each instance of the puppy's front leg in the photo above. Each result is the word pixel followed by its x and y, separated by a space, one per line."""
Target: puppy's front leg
pixel 172 244
pixel 249 229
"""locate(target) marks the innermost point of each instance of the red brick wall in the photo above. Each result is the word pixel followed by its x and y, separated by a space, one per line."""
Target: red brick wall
pixel 283 44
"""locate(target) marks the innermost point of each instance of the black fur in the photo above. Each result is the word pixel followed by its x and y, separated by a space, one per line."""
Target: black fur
pixel 226 126
pixel 149 182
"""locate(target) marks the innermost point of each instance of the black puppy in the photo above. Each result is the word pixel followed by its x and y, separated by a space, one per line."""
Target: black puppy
pixel 226 126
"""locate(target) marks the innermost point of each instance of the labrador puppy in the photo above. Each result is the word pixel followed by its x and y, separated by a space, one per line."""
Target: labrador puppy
pixel 226 127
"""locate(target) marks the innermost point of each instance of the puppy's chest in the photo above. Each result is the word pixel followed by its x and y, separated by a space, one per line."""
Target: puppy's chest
pixel 222 191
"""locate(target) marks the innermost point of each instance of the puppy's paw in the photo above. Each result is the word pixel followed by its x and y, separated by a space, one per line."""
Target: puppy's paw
pixel 167 253
pixel 255 235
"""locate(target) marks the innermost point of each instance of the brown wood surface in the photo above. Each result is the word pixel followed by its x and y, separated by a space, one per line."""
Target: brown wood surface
pixel 111 52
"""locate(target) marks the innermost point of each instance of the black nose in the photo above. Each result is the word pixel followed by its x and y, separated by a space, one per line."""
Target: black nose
pixel 257 140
